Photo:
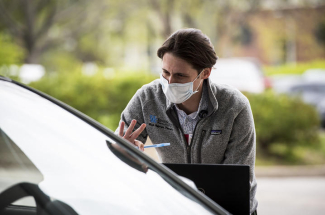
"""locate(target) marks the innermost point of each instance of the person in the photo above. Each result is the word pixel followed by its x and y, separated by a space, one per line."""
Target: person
pixel 204 122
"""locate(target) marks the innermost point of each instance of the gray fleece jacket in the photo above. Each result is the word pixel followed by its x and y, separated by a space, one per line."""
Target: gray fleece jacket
pixel 225 133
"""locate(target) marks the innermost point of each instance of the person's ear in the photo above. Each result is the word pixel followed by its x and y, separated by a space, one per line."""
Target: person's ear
pixel 206 73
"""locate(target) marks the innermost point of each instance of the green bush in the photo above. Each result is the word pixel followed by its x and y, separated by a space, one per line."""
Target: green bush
pixel 283 123
pixel 97 96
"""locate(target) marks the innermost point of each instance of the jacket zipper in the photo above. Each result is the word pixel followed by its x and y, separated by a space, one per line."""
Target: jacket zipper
pixel 188 154
pixel 189 147
pixel 200 146
pixel 200 140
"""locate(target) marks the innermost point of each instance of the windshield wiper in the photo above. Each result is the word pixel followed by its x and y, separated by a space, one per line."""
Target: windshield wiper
pixel 126 157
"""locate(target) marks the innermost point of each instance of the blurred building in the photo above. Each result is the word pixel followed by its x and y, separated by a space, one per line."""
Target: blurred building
pixel 278 35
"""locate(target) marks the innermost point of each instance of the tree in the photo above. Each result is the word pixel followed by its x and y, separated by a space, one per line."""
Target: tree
pixel 10 53
pixel 39 25
pixel 217 18
pixel 320 33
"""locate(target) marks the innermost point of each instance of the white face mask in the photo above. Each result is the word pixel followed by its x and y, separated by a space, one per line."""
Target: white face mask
pixel 176 92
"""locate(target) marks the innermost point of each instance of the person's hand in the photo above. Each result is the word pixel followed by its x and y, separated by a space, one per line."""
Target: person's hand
pixel 131 136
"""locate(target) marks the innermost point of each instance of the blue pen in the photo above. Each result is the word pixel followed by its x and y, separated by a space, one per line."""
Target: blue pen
pixel 157 145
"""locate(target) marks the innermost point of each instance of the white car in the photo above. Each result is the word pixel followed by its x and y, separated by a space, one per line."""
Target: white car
pixel 282 83
pixel 71 164
pixel 245 74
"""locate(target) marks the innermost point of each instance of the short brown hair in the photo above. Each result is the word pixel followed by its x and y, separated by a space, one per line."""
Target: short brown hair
pixel 192 46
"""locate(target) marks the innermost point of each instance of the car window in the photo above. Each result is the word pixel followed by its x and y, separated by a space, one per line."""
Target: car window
pixel 321 89
pixel 75 164
pixel 16 167
pixel 312 88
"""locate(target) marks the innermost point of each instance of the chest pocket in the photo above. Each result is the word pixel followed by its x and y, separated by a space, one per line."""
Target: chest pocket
pixel 212 143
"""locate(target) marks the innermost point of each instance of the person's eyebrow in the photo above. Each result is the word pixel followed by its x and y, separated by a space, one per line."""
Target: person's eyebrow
pixel 176 73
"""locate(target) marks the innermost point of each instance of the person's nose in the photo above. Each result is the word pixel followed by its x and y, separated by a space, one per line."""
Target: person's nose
pixel 171 79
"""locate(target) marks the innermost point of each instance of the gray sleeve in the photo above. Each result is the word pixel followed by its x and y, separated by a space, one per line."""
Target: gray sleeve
pixel 134 111
pixel 241 147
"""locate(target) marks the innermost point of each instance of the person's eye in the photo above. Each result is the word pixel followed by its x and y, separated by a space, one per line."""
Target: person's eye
pixel 165 72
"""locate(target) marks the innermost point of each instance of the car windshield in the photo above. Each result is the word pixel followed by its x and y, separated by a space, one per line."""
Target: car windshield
pixel 73 164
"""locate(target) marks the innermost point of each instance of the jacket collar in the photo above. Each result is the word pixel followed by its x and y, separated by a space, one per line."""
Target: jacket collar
pixel 213 102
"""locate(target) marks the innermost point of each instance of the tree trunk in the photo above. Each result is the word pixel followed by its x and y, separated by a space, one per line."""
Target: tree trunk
pixel 32 57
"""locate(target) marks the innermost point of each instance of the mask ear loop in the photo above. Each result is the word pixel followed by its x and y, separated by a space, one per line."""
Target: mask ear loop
pixel 200 82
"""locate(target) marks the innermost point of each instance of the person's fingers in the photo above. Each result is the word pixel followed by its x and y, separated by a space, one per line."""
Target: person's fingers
pixel 139 144
pixel 137 132
pixel 121 132
pixel 130 128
